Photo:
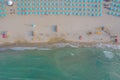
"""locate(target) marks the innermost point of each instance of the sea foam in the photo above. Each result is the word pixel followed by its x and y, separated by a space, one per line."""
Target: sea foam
pixel 65 45
pixel 108 46
pixel 23 48
pixel 108 54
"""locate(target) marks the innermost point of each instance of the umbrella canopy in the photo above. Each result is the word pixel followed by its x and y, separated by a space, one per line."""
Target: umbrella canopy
pixel 9 2
pixel 33 25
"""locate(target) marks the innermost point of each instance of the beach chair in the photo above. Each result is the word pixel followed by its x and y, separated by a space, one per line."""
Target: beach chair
pixel 84 0
pixel 97 1
pixel 74 13
pixel 22 4
pixel 46 13
pixel 30 9
pixel 19 13
pixel 63 13
pixel 90 14
pixel 4 34
pixel 66 13
pixel 30 13
pixel 33 34
pixel 100 14
pixel 63 8
pixel 18 4
pixel 38 13
pixel 101 0
pixel 1 11
pixel 43 8
pixel 88 9
pixel 88 5
pixel 85 14
pixel 70 13
pixel 55 28
pixel 38 4
pixel 39 9
pixel 80 14
pixel 35 8
pixel 67 9
pixel 47 8
pixel 22 13
pixel 50 13
pixel 98 32
pixel 35 13
pixel 26 13
pixel 26 8
pixel 54 8
pixel 84 9
pixel 18 8
pixel 22 8
pixel 30 4
pixel 27 4
pixel 58 13
pixel 81 0
pixel 4 15
pixel 96 14
pixel 117 14
pixel 55 13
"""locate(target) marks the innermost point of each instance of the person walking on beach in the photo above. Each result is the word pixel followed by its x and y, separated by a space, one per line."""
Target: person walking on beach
pixel 80 37
pixel 116 39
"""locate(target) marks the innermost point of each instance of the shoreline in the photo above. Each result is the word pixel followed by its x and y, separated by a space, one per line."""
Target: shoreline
pixel 48 46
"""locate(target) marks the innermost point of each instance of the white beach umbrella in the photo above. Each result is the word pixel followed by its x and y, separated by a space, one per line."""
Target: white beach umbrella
pixel 9 2
pixel 33 25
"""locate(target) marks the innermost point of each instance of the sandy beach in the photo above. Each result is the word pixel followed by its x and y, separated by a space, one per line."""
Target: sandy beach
pixel 80 29
pixel 59 40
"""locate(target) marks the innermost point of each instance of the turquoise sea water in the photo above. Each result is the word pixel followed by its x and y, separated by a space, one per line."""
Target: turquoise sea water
pixel 60 64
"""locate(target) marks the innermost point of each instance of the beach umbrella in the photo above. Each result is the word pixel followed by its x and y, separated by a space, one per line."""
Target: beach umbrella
pixel 9 2
pixel 33 25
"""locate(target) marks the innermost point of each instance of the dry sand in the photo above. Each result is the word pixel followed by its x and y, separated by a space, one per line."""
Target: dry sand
pixel 69 27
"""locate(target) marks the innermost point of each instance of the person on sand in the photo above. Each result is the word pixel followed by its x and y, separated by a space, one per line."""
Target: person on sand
pixel 116 39
pixel 80 37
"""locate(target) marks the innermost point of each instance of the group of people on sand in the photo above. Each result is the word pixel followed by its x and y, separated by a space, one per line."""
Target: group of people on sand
pixel 115 39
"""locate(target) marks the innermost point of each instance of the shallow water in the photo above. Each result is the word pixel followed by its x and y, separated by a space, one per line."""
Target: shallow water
pixel 60 64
